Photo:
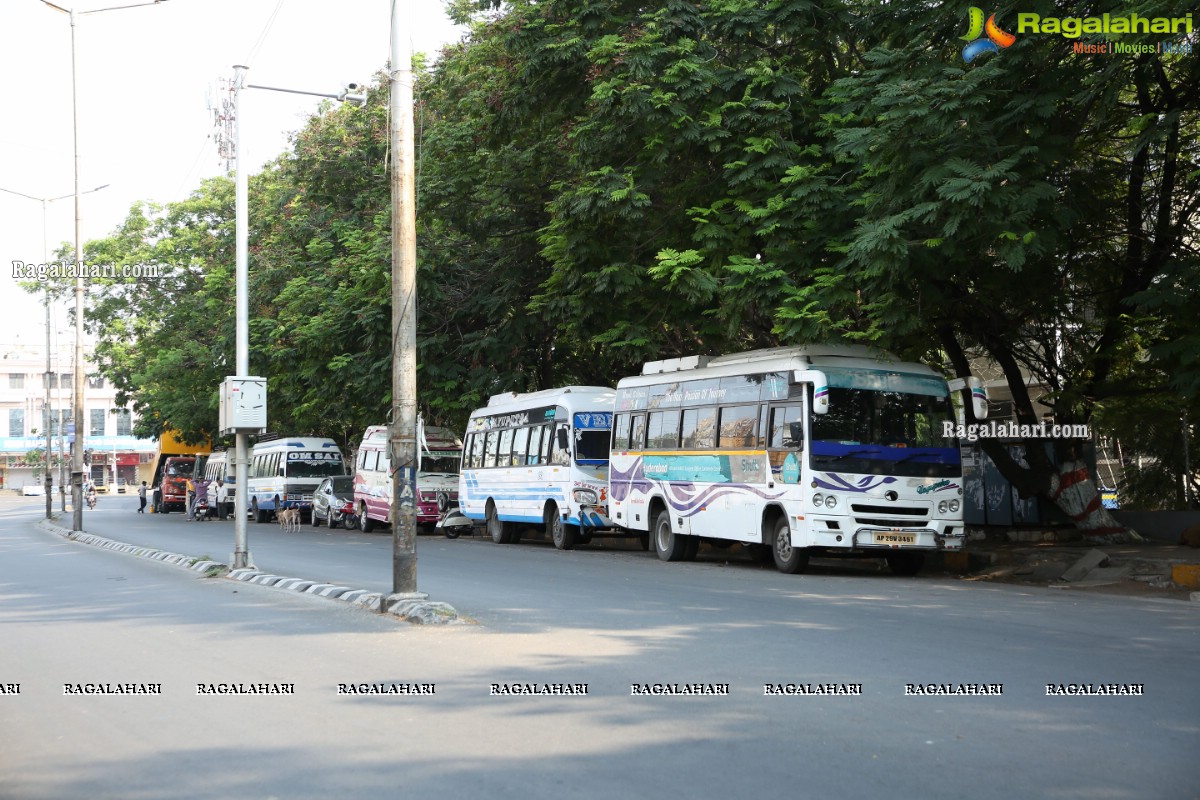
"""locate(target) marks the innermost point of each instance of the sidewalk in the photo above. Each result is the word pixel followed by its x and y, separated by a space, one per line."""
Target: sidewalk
pixel 1063 559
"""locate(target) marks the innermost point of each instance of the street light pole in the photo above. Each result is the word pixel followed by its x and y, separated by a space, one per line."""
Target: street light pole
pixel 77 410
pixel 241 221
pixel 49 476
pixel 77 405
pixel 241 217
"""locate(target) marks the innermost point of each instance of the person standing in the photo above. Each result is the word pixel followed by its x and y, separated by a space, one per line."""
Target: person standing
pixel 191 497
pixel 142 498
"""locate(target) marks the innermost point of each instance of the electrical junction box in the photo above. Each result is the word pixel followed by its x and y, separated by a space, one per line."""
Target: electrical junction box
pixel 243 405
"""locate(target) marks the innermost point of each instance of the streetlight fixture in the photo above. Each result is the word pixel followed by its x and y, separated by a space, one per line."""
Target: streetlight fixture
pixel 77 412
pixel 49 477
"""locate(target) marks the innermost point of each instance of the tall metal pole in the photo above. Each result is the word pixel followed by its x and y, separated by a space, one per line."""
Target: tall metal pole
pixel 241 450
pixel 49 478
pixel 77 413
pixel 403 433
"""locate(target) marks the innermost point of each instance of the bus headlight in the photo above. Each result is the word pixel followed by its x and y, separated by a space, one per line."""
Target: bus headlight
pixel 830 501
pixel 948 506
pixel 585 497
pixel 818 499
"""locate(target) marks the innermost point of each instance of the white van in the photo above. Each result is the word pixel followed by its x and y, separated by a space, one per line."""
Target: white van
pixel 440 456
pixel 220 466
pixel 285 472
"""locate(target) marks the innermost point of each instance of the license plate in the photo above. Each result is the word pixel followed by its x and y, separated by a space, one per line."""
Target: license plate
pixel 895 538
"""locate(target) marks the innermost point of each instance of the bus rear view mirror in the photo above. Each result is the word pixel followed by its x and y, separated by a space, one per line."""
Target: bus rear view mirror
pixel 562 439
pixel 820 384
pixel 979 398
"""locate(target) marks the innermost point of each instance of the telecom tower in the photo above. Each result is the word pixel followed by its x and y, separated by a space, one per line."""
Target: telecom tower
pixel 224 120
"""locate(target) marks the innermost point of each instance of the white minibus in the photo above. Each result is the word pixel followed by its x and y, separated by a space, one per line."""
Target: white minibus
pixel 284 472
pixel 440 456
pixel 539 458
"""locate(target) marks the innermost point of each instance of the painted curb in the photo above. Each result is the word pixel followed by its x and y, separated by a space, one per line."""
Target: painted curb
pixel 414 608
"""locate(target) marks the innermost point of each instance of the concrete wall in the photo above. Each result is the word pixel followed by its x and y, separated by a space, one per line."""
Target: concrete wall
pixel 1161 526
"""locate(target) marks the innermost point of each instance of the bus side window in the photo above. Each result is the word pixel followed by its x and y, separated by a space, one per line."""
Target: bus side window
pixel 520 446
pixel 547 443
pixel 562 435
pixel 698 430
pixel 787 427
pixel 621 432
pixel 662 430
pixel 637 432
pixel 490 447
pixel 534 453
pixel 737 426
pixel 504 454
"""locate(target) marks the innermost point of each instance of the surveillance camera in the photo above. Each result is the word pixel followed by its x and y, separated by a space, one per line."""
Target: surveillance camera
pixel 353 87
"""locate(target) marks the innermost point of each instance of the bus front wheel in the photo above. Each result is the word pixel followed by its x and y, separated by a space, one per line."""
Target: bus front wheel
pixel 563 535
pixel 668 545
pixel 788 559
pixel 260 516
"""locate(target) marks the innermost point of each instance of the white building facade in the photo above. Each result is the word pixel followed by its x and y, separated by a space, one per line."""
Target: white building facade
pixel 112 454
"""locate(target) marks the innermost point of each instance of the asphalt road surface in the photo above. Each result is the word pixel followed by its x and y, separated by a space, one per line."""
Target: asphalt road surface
pixel 77 616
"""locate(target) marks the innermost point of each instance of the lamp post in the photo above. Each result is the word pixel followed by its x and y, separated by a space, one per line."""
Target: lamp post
pixel 77 412
pixel 241 216
pixel 49 477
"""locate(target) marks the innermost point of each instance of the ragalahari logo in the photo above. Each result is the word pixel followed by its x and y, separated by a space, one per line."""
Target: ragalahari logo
pixel 977 43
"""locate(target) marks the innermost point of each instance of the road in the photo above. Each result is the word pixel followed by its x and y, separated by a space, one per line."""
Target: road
pixel 610 619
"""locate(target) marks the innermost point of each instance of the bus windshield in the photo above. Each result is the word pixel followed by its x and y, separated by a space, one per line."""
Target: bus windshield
pixel 448 463
pixel 314 465
pixel 591 446
pixel 885 433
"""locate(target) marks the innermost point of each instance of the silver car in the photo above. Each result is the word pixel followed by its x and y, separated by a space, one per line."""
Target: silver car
pixel 333 502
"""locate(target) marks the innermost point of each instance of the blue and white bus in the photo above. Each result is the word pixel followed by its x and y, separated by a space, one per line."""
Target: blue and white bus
pixel 285 472
pixel 539 458
pixel 806 450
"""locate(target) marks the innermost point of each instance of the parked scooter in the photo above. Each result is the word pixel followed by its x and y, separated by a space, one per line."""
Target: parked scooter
pixel 200 509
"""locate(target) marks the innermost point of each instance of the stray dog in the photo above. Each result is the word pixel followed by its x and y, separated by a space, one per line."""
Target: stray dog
pixel 289 519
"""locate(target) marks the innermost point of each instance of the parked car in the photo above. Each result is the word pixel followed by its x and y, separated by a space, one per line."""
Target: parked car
pixel 333 502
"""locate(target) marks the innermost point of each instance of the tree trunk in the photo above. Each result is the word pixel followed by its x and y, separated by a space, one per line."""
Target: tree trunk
pixel 1074 491
pixel 1072 488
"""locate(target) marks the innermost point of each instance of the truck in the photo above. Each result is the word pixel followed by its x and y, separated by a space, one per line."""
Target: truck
pixel 174 463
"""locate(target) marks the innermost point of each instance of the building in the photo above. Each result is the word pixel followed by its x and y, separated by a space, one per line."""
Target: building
pixel 112 453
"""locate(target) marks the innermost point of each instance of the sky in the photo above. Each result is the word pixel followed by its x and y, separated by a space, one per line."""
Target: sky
pixel 145 78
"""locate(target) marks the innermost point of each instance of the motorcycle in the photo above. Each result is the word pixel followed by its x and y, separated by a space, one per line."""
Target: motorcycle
pixel 200 509
pixel 452 522
pixel 91 499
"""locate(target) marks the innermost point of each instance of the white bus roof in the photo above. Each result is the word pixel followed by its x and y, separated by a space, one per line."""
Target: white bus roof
pixel 298 442
pixel 774 359
pixel 572 397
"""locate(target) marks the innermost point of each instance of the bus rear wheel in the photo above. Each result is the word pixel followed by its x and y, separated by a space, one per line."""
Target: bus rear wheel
pixel 668 545
pixel 788 559
pixel 500 531
pixel 563 535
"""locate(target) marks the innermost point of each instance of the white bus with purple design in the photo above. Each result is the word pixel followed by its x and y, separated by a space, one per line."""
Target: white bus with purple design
pixel 802 451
